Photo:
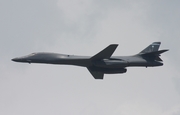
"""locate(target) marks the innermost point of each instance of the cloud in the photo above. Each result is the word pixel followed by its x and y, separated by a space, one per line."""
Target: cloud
pixel 73 10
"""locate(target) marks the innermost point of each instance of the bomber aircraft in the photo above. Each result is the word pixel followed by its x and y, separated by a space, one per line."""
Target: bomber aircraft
pixel 103 62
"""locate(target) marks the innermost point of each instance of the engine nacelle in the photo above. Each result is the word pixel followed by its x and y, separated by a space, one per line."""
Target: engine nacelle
pixel 114 71
pixel 111 63
pixel 110 70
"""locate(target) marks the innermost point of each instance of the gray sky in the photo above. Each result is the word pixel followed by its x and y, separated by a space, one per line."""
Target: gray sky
pixel 84 27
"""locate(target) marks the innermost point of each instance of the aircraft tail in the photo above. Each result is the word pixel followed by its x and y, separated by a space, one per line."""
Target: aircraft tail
pixel 151 48
pixel 154 55
pixel 152 52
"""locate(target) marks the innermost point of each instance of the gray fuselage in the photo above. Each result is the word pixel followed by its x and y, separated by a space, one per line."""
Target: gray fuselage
pixel 85 61
pixel 102 62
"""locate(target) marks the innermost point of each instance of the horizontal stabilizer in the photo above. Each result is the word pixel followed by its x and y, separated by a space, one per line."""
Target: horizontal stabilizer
pixel 106 53
pixel 156 53
pixel 158 58
pixel 95 74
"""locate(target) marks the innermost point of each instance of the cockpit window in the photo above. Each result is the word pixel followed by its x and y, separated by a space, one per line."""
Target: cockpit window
pixel 29 55
pixel 32 54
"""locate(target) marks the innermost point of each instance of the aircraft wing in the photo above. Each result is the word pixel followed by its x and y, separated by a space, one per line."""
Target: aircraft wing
pixel 106 53
pixel 95 74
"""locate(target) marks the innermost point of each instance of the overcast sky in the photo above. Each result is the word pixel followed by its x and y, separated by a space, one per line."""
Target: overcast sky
pixel 84 27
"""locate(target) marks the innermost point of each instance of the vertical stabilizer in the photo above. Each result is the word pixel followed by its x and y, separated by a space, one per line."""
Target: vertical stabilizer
pixel 151 48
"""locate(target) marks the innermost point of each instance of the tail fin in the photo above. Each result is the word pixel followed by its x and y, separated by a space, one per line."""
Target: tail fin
pixel 151 52
pixel 151 48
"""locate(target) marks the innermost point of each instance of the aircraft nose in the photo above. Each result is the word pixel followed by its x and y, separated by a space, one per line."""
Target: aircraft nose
pixel 15 59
